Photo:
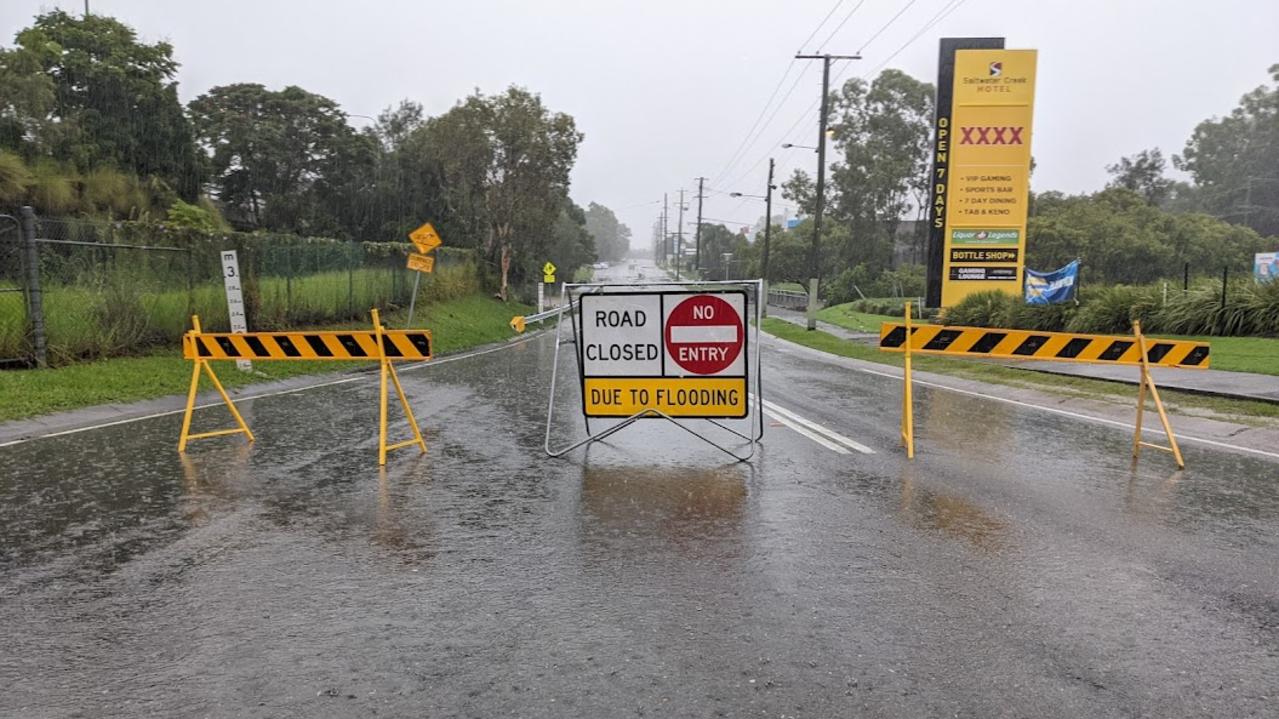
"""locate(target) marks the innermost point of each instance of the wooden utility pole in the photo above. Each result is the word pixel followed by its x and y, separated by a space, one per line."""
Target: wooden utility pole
pixel 814 258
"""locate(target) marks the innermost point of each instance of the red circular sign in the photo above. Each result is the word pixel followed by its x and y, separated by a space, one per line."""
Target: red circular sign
pixel 704 335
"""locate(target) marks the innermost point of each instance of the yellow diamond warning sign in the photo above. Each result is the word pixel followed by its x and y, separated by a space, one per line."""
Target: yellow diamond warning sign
pixel 681 353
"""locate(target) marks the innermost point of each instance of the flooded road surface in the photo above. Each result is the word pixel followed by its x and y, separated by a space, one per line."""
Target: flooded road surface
pixel 1020 566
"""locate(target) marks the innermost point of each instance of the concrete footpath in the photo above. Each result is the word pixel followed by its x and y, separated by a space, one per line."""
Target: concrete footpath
pixel 1236 385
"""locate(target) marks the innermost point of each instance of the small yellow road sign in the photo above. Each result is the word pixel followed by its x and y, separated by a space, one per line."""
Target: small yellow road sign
pixel 421 263
pixel 548 272
pixel 426 239
pixel 517 323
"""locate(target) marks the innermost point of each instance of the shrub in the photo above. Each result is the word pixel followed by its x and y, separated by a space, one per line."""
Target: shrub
pixel 981 309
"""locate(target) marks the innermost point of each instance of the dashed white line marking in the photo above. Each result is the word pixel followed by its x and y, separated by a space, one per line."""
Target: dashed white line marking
pixel 800 429
pixel 796 422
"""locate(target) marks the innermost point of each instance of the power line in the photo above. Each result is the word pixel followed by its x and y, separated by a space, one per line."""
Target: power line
pixel 841 24
pixel 940 15
pixel 946 10
pixel 886 25
pixel 823 22
pixel 744 146
pixel 766 125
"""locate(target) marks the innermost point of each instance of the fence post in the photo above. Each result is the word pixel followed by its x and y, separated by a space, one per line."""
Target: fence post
pixel 35 300
pixel 350 278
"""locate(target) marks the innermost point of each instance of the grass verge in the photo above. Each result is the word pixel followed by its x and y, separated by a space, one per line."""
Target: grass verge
pixel 455 325
pixel 1243 411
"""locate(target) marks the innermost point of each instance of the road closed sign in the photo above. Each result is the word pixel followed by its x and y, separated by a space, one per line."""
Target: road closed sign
pixel 681 353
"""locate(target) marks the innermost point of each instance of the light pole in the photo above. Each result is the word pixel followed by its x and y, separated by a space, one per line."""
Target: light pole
pixel 789 145
pixel 819 205
pixel 768 231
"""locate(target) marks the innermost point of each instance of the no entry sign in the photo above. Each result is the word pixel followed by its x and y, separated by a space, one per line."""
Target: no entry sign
pixel 704 334
pixel 681 353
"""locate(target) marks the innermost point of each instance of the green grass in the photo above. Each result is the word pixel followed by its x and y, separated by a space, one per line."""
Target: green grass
pixel 1242 354
pixel 844 316
pixel 1242 410
pixel 455 325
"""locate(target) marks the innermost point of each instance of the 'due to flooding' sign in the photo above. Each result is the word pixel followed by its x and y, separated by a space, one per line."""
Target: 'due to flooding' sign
pixel 681 353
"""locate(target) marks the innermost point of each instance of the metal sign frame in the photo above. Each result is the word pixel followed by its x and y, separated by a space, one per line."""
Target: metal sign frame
pixel 574 292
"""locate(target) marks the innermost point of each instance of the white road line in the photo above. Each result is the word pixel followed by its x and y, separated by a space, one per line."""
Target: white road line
pixel 1054 410
pixel 811 435
pixel 263 395
pixel 850 443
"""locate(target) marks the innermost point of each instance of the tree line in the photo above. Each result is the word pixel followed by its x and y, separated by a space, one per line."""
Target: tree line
pixel 91 124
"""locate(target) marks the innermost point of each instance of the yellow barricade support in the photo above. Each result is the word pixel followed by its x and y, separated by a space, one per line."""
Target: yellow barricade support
pixel 202 364
pixel 908 404
pixel 380 344
pixel 992 343
pixel 1148 382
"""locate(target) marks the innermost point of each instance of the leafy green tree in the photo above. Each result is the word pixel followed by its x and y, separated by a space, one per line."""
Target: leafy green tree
pixel 114 101
pixel 612 238
pixel 1143 174
pixel 1120 237
pixel 1233 161
pixel 882 133
pixel 280 160
pixel 503 164
pixel 572 244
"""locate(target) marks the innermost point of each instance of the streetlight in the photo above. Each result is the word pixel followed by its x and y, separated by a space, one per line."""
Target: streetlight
pixel 789 145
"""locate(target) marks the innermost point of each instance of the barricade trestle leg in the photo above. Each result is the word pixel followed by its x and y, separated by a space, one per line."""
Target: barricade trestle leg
pixel 202 365
pixel 1147 383
pixel 908 404
pixel 388 368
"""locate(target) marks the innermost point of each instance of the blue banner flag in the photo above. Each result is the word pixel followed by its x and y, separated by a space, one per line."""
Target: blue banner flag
pixel 1050 288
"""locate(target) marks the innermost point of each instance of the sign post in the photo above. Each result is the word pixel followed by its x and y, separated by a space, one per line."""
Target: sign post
pixel 235 301
pixel 425 239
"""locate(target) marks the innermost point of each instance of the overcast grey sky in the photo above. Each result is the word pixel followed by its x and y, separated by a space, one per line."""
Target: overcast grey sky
pixel 667 91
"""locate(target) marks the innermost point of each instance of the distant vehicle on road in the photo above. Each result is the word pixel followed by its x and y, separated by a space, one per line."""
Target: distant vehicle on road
pixel 600 265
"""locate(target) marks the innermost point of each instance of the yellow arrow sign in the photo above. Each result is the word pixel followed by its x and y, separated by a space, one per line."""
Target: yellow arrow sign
pixel 426 238
pixel 421 263
pixel 548 272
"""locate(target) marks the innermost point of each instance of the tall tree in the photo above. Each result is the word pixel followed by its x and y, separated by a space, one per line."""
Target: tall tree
pixel 1233 160
pixel 278 157
pixel 883 132
pixel 115 101
pixel 612 238
pixel 504 164
pixel 1143 173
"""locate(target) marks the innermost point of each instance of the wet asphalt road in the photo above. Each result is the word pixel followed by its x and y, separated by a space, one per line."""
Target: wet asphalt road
pixel 1020 566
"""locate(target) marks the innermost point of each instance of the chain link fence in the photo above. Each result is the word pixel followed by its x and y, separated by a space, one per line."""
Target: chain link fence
pixel 111 289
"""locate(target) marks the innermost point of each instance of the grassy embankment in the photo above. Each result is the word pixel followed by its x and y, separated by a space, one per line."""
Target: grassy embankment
pixel 455 324
pixel 1241 410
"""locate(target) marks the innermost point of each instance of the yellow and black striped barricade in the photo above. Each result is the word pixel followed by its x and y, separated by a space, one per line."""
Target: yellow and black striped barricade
pixel 997 343
pixel 378 344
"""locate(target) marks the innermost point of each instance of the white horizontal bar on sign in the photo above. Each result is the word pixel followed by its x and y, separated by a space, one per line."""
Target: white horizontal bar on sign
pixel 682 334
